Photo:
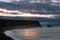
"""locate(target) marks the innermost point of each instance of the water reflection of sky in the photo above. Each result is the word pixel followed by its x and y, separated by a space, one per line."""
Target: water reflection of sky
pixel 23 34
pixel 35 34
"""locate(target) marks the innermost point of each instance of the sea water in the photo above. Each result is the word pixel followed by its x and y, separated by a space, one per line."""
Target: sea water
pixel 44 33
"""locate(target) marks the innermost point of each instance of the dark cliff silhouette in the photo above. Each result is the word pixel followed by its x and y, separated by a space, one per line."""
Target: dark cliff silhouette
pixel 14 24
pixel 19 23
pixel 4 37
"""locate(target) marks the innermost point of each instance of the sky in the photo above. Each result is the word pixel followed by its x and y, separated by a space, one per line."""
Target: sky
pixel 22 14
pixel 32 1
pixel 8 0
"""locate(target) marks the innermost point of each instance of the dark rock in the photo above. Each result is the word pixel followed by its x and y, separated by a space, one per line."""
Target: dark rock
pixel 4 37
pixel 19 23
pixel 14 24
pixel 50 25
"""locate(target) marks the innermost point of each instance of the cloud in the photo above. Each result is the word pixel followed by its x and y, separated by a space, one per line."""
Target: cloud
pixel 31 1
pixel 16 0
pixel 56 1
pixel 8 0
pixel 23 14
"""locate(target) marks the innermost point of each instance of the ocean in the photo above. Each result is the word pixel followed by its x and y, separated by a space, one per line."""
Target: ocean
pixel 38 33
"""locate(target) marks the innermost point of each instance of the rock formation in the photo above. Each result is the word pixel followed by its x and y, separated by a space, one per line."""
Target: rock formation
pixel 4 37
pixel 14 24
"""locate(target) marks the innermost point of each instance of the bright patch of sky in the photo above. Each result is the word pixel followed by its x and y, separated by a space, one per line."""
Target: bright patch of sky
pixel 43 1
pixel 35 1
pixel 32 1
pixel 56 1
pixel 8 0
pixel 6 12
pixel 16 0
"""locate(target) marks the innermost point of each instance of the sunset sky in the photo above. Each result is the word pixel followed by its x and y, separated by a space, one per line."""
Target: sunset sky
pixel 52 16
pixel 28 0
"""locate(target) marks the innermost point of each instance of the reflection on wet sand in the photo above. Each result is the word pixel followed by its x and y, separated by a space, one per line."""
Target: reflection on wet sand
pixel 35 34
pixel 28 34
pixel 23 34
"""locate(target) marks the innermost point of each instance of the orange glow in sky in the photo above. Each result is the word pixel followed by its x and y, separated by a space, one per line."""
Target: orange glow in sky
pixel 27 15
pixel 16 13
